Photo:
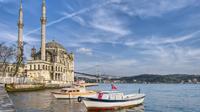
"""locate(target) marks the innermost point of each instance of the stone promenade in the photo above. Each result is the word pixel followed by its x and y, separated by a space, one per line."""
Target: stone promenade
pixel 6 105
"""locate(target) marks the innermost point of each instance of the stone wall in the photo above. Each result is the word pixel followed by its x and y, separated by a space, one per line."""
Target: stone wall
pixel 6 105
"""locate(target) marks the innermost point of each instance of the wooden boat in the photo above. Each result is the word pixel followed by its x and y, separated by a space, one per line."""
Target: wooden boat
pixel 24 87
pixel 112 100
pixel 74 92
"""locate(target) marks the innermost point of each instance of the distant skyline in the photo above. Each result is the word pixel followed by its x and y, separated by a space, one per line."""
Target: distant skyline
pixel 116 37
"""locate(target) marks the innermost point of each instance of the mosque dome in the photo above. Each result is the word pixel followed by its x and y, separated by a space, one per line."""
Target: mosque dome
pixel 54 44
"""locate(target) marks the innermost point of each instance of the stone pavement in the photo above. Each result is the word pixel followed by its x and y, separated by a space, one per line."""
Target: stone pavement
pixel 6 105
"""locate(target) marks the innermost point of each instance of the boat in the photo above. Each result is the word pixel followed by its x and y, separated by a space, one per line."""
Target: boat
pixel 83 83
pixel 24 87
pixel 109 100
pixel 73 93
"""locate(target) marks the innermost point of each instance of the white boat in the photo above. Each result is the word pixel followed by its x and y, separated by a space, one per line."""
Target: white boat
pixel 112 100
pixel 74 92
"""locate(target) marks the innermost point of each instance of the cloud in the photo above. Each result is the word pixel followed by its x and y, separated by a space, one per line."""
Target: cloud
pixel 76 19
pixel 86 51
pixel 123 62
pixel 130 43
pixel 106 21
pixel 79 20
pixel 156 40
pixel 9 36
pixel 168 40
pixel 119 66
pixel 96 6
pixel 155 8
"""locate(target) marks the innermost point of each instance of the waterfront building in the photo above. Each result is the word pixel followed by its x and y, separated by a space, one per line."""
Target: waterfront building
pixel 57 66
pixel 52 63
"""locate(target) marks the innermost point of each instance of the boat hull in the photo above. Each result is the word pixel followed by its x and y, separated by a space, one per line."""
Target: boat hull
pixel 23 87
pixel 73 96
pixel 92 104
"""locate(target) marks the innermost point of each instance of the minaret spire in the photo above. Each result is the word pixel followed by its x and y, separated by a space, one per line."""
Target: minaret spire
pixel 20 4
pixel 43 31
pixel 20 32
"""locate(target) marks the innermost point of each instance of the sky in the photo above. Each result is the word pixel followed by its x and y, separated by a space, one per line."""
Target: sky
pixel 115 37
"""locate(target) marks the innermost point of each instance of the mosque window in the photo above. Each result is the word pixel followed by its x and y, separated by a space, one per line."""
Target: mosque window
pixel 38 67
pixel 43 67
pixel 30 67
pixel 52 68
pixel 34 67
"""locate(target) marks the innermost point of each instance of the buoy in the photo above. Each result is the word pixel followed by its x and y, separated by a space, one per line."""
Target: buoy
pixel 79 99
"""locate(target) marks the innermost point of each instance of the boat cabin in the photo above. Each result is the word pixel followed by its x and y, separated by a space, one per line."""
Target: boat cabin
pixel 69 90
pixel 73 90
pixel 110 95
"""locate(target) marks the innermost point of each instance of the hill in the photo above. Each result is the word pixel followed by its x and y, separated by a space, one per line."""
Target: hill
pixel 151 78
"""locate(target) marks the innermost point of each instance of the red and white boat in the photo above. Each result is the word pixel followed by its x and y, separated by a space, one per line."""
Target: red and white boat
pixel 107 100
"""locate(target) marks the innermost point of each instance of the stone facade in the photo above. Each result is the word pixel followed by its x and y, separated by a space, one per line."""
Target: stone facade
pixel 10 70
pixel 51 64
pixel 58 65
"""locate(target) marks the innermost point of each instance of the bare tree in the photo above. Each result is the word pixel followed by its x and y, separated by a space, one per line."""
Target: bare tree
pixel 19 60
pixel 6 55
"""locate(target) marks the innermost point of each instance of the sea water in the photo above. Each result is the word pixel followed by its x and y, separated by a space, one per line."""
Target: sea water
pixel 159 98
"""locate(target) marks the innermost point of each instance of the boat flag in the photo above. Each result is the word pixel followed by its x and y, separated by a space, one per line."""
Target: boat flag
pixel 113 87
pixel 100 95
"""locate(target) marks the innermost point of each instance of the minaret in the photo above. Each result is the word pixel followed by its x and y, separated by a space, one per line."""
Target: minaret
pixel 43 31
pixel 20 32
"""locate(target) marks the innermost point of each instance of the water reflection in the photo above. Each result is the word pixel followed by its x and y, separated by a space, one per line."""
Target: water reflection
pixel 43 101
pixel 63 105
pixel 139 108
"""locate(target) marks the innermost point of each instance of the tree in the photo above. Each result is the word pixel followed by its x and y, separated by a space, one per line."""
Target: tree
pixel 6 55
pixel 19 59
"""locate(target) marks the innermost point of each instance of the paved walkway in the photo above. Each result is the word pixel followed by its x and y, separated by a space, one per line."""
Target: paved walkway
pixel 6 105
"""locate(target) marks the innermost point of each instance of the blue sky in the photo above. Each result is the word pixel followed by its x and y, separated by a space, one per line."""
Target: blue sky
pixel 122 37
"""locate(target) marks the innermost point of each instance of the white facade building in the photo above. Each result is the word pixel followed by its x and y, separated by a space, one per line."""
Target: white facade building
pixel 51 64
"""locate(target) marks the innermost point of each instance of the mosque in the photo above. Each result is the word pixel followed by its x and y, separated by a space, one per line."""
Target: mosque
pixel 51 63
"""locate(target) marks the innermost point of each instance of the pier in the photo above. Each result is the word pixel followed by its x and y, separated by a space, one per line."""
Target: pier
pixel 6 104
